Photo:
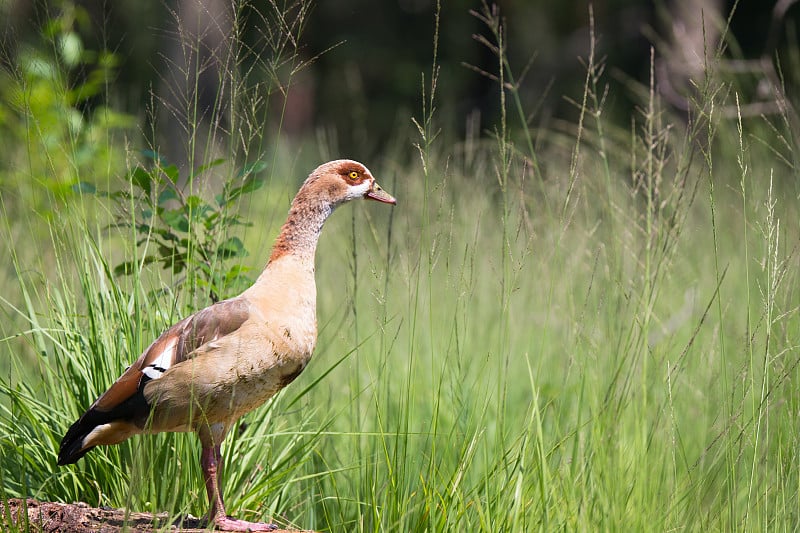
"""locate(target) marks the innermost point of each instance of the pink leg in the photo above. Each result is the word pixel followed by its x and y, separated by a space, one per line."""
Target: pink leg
pixel 209 461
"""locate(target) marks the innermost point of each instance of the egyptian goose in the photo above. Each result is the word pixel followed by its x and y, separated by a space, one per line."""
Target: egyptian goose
pixel 214 366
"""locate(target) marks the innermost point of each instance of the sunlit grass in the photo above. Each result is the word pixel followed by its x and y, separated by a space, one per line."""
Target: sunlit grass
pixel 593 335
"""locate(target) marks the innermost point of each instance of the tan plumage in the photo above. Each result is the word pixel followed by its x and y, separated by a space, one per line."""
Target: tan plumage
pixel 212 367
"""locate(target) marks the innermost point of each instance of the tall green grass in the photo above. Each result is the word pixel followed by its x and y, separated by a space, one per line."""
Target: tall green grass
pixel 591 329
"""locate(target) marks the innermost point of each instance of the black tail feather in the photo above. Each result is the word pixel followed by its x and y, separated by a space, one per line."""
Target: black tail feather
pixel 134 409
pixel 71 448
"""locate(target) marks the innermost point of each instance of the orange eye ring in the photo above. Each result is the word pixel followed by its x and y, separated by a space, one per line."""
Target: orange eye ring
pixel 353 175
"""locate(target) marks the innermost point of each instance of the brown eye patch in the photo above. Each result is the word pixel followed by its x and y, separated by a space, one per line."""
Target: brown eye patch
pixel 353 175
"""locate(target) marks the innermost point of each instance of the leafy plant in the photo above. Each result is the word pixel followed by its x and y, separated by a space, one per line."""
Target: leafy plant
pixel 53 101
pixel 184 232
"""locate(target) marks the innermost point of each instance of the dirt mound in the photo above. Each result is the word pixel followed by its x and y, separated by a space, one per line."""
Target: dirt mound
pixel 81 518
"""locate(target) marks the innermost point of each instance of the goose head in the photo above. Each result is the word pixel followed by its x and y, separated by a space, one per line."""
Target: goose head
pixel 343 180
pixel 328 186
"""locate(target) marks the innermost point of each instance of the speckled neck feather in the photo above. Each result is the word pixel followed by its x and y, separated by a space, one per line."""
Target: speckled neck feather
pixel 300 233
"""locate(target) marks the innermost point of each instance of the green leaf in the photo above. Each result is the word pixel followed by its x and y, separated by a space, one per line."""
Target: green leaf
pixel 167 195
pixel 124 269
pixel 84 187
pixel 194 202
pixel 236 272
pixel 142 179
pixel 211 220
pixel 120 196
pixel 176 219
pixel 252 168
pixel 166 234
pixel 233 247
pixel 177 262
pixel 166 252
pixel 250 182
pixel 142 228
pixel 71 48
pixel 203 168
pixel 172 172
pixel 150 154
pixel 127 268
pixel 233 220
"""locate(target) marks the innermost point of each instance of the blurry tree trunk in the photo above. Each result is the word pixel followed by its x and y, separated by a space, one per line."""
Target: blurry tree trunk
pixel 199 55
pixel 694 32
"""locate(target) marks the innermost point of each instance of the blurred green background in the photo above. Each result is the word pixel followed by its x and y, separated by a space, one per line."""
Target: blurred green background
pixel 366 58
pixel 582 315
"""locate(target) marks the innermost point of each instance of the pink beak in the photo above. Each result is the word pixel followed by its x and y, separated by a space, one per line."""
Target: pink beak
pixel 378 194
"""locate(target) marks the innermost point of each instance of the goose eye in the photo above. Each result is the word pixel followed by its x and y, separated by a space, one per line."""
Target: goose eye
pixel 353 175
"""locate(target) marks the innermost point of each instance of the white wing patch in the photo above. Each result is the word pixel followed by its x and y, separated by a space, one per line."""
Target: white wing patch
pixel 161 363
